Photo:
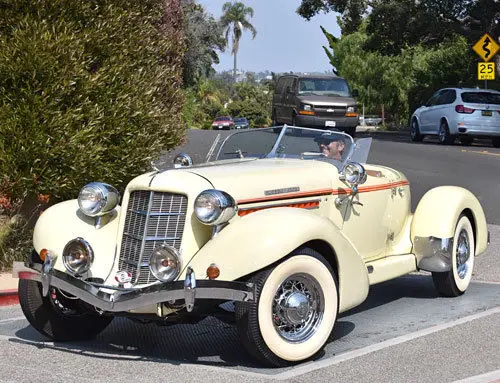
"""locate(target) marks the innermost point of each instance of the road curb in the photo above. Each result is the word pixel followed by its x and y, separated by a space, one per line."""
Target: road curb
pixel 8 290
pixel 8 298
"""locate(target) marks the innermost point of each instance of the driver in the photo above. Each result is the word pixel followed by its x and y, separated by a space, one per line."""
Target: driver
pixel 331 146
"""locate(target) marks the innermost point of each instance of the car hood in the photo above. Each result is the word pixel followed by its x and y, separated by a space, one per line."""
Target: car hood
pixel 327 100
pixel 249 179
pixel 257 178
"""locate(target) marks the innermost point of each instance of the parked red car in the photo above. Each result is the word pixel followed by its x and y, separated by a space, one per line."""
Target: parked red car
pixel 223 123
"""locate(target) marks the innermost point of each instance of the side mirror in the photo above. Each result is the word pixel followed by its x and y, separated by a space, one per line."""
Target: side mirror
pixel 182 160
pixel 355 93
pixel 354 174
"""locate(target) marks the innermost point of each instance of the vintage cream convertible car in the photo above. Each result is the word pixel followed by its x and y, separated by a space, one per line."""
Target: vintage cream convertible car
pixel 270 223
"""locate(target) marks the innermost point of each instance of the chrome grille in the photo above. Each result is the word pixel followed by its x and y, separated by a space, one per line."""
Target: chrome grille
pixel 153 218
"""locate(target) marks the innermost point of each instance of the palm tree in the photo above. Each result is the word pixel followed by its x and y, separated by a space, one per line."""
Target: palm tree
pixel 234 18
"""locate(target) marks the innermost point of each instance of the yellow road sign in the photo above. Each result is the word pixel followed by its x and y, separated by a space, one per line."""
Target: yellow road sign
pixel 486 47
pixel 486 71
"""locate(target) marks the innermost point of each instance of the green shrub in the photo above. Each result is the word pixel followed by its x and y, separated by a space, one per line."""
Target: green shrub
pixel 90 90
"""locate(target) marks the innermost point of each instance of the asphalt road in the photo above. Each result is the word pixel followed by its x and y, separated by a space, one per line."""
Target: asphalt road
pixel 426 165
pixel 403 332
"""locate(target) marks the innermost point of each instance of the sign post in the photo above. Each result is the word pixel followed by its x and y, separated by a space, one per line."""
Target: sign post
pixel 486 48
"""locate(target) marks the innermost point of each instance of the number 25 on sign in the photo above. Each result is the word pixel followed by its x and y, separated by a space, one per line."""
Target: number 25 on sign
pixel 486 71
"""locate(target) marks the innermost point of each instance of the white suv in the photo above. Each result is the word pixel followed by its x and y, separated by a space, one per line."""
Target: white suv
pixel 459 112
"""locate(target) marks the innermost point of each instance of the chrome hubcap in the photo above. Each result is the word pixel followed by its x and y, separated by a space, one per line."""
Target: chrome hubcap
pixel 298 308
pixel 463 254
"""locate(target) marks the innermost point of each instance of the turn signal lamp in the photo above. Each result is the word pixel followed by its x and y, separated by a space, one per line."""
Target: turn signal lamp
pixel 43 254
pixel 213 271
pixel 351 112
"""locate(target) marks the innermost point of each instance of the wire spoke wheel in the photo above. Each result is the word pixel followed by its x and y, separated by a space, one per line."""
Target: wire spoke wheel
pixel 298 308
pixel 295 310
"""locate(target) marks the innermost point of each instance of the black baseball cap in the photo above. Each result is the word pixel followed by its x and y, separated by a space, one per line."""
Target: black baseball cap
pixel 327 138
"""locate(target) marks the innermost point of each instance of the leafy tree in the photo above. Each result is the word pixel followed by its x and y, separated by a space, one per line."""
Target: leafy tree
pixel 252 101
pixel 392 24
pixel 395 24
pixel 351 11
pixel 399 82
pixel 234 19
pixel 203 39
pixel 204 102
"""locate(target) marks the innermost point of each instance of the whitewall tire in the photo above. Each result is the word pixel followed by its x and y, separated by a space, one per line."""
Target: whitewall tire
pixel 456 281
pixel 296 309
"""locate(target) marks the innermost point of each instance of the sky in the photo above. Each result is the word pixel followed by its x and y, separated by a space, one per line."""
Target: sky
pixel 284 41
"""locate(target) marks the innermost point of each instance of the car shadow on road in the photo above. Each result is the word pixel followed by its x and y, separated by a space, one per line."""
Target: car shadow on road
pixel 211 341
pixel 416 286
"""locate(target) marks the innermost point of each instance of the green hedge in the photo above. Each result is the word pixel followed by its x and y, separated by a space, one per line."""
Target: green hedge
pixel 89 91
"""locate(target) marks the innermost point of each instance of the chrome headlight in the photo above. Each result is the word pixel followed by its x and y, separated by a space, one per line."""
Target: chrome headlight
pixel 306 107
pixel 213 207
pixel 97 198
pixel 354 173
pixel 78 256
pixel 165 263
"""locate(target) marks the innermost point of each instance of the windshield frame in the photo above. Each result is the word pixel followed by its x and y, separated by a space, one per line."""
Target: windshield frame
pixel 294 131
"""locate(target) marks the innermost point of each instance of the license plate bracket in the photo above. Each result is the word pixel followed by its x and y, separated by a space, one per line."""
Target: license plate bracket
pixel 486 113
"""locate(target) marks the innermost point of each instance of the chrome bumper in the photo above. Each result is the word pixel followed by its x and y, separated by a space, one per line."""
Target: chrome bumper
pixel 129 299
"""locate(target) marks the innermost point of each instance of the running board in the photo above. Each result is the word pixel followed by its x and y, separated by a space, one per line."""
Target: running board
pixel 390 267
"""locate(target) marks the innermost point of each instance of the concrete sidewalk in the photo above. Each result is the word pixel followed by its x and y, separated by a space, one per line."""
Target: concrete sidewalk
pixel 8 289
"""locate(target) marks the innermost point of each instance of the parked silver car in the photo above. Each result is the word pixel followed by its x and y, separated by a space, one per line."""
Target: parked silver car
pixel 465 113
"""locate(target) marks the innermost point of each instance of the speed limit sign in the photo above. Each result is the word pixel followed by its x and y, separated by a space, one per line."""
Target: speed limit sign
pixel 486 71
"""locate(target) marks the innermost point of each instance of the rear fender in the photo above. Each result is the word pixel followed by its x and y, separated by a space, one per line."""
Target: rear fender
pixel 255 241
pixel 438 211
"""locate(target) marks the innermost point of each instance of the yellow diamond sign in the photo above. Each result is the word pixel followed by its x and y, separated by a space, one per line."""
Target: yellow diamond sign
pixel 486 47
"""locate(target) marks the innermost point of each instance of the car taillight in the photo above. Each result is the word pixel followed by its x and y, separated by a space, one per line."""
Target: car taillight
pixel 463 109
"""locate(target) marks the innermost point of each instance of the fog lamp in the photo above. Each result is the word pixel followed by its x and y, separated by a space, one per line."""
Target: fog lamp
pixel 78 256
pixel 165 263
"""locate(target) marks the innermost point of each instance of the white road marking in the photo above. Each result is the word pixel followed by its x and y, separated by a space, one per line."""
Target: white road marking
pixel 12 319
pixel 324 363
pixel 303 369
pixel 493 376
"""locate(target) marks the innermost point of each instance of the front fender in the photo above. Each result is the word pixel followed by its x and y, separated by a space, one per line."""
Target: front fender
pixel 438 211
pixel 260 239
pixel 63 222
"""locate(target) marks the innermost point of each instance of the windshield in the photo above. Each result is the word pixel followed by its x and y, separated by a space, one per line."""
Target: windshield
pixel 285 142
pixel 324 87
